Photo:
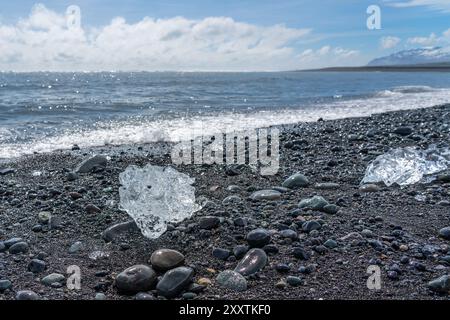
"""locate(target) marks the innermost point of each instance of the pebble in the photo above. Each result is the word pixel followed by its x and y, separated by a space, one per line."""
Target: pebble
pixel 92 163
pixel 440 285
pixel 19 247
pixel 403 131
pixel 296 181
pixel 27 295
pixel 135 279
pixel 232 280
pixel 314 203
pixel 445 233
pixel 100 296
pixel 300 253
pixel 288 233
pixel 10 242
pixel 76 247
pixel 91 209
pixel 209 222
pixel 265 195
pixel 221 254
pixel 2 246
pixel 369 188
pixel 252 262
pixel 330 243
pixel 36 266
pixel 166 259
pixel 282 267
pixel 116 230
pixel 144 296
pixel 258 238
pixel 240 250
pixel 204 282
pixel 231 200
pixel 5 285
pixel 5 171
pixel 327 186
pixel 330 209
pixel 53 278
pixel 311 225
pixel 174 282
pixel 44 217
pixel 294 281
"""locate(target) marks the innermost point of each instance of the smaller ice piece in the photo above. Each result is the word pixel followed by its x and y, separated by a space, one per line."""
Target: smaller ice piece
pixel 154 196
pixel 407 165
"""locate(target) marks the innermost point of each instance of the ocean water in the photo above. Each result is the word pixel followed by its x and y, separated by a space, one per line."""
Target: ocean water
pixel 42 112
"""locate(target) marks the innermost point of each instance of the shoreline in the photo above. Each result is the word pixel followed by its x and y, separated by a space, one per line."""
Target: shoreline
pixel 388 227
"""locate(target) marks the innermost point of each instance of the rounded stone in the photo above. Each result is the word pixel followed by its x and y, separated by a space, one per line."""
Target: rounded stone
pixel 36 266
pixel 166 259
pixel 258 238
pixel 294 281
pixel 5 285
pixel 209 222
pixel 440 285
pixel 53 278
pixel 135 279
pixel 296 181
pixel 19 247
pixel 445 233
pixel 27 295
pixel 252 262
pixel 269 195
pixel 232 280
pixel 314 203
pixel 221 254
pixel 174 282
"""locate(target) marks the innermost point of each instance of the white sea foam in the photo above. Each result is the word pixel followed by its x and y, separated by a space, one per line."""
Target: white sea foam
pixel 146 131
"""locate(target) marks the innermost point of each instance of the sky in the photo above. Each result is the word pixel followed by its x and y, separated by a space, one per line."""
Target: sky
pixel 211 35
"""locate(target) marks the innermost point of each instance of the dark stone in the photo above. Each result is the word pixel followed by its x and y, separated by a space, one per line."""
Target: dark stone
pixel 26 295
pixel 174 282
pixel 445 233
pixel 253 261
pixel 220 253
pixel 19 247
pixel 166 259
pixel 403 131
pixel 90 164
pixel 135 279
pixel 209 222
pixel 36 266
pixel 300 253
pixel 258 238
pixel 296 181
pixel 240 250
pixel 116 230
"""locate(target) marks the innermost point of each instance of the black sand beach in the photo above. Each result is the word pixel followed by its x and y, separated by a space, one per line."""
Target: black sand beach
pixel 394 228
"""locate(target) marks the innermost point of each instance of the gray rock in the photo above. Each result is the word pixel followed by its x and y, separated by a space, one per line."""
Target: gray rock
pixel 253 261
pixel 331 209
pixel 403 131
pixel 232 280
pixel 19 247
pixel 27 295
pixel 296 181
pixel 116 230
pixel 440 285
pixel 90 164
pixel 209 222
pixel 369 188
pixel 8 243
pixel 53 278
pixel 240 250
pixel 5 285
pixel 100 296
pixel 144 296
pixel 231 200
pixel 76 247
pixel 72 176
pixel 309 226
pixel 5 171
pixel 261 195
pixel 2 247
pixel 445 233
pixel 258 238
pixel 174 282
pixel 166 259
pixel 135 279
pixel 330 243
pixel 314 203
pixel 91 209
pixel 221 253
pixel 288 233
pixel 44 217
pixel 294 281
pixel 36 266
pixel 300 253
pixel 327 186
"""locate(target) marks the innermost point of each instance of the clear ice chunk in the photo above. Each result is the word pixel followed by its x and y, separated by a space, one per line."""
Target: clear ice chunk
pixel 155 196
pixel 407 165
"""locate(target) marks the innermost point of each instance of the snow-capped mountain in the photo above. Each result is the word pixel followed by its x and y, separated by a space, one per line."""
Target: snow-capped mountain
pixel 414 56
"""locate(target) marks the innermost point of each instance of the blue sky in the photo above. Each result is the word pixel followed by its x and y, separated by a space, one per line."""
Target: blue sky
pixel 313 34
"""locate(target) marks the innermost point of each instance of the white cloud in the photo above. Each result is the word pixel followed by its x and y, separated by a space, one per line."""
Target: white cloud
pixel 389 42
pixel 431 40
pixel 44 42
pixel 442 5
pixel 328 56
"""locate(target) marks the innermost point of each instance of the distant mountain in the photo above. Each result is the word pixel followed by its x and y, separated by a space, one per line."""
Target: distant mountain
pixel 414 57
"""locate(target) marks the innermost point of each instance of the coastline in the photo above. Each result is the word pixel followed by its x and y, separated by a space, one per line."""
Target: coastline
pixel 336 151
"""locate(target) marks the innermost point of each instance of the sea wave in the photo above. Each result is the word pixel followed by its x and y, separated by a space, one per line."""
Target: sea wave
pixel 145 130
